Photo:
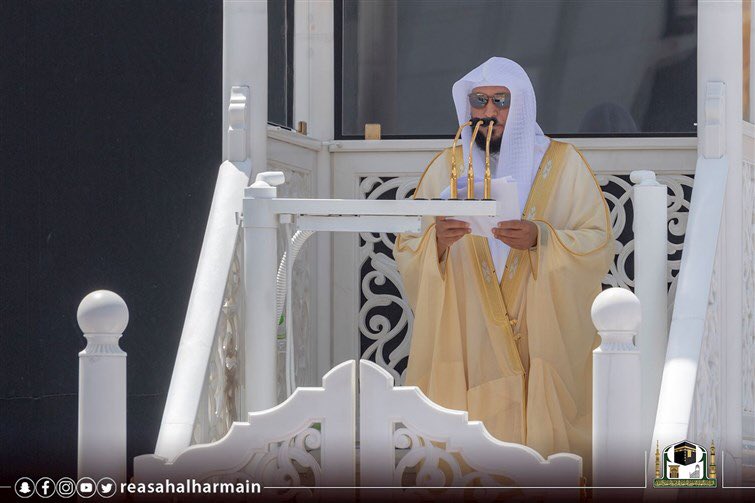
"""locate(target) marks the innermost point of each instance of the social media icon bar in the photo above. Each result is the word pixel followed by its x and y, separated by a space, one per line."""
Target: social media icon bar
pixel 106 487
pixel 24 487
pixel 66 487
pixel 45 487
pixel 86 487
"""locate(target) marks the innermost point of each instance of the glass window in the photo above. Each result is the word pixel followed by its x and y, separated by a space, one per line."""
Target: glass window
pixel 280 62
pixel 625 67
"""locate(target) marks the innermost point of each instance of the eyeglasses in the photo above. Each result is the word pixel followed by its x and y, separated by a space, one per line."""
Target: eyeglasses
pixel 500 100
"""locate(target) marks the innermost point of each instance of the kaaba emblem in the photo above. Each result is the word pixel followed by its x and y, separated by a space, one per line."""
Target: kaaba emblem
pixel 685 453
pixel 685 464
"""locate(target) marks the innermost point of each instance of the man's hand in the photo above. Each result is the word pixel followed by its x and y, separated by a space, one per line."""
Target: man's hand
pixel 519 234
pixel 448 231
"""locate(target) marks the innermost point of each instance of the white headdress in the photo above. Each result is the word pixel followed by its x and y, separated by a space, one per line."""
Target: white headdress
pixel 523 144
pixel 522 137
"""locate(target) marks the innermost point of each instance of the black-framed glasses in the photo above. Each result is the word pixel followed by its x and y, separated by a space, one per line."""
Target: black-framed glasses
pixel 500 100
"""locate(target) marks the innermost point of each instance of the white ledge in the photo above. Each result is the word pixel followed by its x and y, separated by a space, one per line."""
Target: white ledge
pixel 674 143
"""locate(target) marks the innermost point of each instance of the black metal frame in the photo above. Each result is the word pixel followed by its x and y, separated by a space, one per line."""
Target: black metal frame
pixel 288 8
pixel 338 105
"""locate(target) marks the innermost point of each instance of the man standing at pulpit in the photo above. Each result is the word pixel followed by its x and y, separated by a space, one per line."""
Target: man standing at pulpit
pixel 502 325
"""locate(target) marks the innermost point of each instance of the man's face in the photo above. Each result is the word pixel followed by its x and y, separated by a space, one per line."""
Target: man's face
pixel 490 110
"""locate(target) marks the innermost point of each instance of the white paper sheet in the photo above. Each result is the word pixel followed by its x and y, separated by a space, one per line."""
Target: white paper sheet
pixel 503 191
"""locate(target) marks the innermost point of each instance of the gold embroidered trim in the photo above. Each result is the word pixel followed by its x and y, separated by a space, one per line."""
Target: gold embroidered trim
pixel 537 201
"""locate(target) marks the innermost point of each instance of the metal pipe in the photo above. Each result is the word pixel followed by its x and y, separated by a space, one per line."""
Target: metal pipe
pixel 470 169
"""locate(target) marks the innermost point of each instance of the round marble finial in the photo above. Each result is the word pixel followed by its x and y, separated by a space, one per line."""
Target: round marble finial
pixel 102 312
pixel 616 309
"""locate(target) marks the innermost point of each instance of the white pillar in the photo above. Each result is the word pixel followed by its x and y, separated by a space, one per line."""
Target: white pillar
pixel 719 60
pixel 314 81
pixel 751 90
pixel 261 267
pixel 103 317
pixel 245 69
pixel 314 95
pixel 617 453
pixel 649 201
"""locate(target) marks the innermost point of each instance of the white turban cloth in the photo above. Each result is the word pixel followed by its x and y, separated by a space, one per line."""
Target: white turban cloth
pixel 523 144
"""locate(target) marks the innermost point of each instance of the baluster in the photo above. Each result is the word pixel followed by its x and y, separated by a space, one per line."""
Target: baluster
pixel 103 317
pixel 617 452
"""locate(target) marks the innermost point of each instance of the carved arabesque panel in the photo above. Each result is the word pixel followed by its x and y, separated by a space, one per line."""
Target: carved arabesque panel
pixel 748 289
pixel 306 441
pixel 705 417
pixel 417 444
pixel 385 319
pixel 291 463
pixel 220 402
pixel 422 462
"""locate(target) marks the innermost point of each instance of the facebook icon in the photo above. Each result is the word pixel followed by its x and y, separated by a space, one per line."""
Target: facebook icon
pixel 45 487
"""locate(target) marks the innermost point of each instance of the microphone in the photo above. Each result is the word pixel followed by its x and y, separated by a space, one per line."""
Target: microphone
pixel 485 121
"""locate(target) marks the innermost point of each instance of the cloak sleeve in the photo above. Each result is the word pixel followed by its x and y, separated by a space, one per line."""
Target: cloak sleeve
pixel 585 230
pixel 416 255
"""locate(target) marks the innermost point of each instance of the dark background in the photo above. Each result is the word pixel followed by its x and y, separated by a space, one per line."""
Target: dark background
pixel 110 141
